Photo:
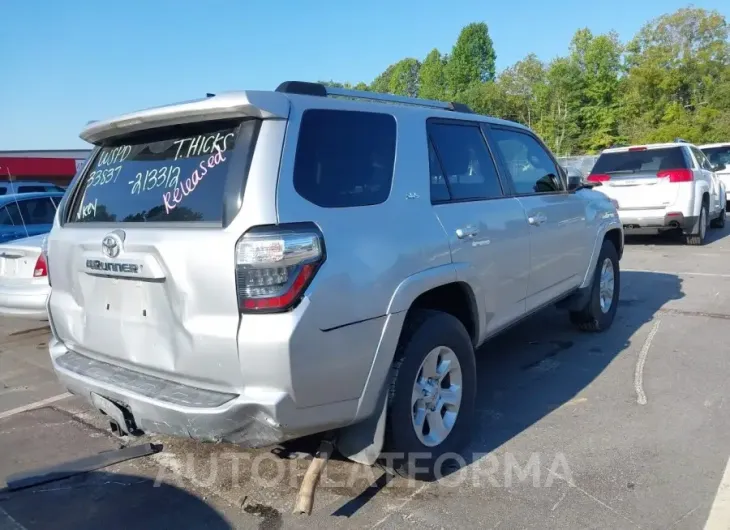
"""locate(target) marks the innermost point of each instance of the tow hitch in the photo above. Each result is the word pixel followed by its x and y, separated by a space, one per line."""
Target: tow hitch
pixel 121 420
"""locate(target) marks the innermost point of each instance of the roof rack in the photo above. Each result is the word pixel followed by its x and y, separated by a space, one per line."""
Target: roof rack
pixel 318 89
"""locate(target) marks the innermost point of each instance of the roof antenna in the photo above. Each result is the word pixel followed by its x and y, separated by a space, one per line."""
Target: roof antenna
pixel 209 95
pixel 15 197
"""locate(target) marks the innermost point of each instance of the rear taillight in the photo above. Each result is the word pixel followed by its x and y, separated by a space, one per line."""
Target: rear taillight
pixel 676 175
pixel 598 178
pixel 274 266
pixel 41 268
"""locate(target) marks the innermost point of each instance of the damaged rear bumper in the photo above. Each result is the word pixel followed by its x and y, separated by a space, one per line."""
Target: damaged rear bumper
pixel 254 418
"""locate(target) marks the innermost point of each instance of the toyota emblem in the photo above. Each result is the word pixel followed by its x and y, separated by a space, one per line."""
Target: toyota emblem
pixel 111 245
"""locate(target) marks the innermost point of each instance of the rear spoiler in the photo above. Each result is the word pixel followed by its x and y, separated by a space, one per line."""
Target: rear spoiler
pixel 257 104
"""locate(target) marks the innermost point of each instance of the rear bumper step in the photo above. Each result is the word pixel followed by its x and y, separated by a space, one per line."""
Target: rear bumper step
pixel 257 417
pixel 142 384
pixel 166 407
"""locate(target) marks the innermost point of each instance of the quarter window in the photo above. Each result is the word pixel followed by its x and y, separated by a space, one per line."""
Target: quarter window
pixel 528 164
pixel 465 161
pixel 345 158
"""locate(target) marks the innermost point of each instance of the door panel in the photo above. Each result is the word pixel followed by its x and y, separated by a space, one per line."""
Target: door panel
pixel 496 251
pixel 558 233
pixel 557 245
pixel 487 231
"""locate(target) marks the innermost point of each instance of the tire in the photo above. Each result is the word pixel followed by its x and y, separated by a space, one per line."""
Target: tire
pixel 595 317
pixel 424 332
pixel 698 238
pixel 719 222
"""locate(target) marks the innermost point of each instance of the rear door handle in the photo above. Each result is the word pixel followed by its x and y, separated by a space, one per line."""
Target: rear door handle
pixel 467 232
pixel 537 219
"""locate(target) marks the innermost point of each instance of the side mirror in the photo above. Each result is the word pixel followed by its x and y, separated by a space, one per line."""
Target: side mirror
pixel 719 167
pixel 573 183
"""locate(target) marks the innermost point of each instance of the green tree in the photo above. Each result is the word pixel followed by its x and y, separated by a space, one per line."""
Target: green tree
pixel 524 86
pixel 677 80
pixel 431 76
pixel 598 60
pixel 382 82
pixel 472 59
pixel 404 78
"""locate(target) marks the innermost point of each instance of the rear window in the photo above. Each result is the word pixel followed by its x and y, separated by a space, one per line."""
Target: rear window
pixel 178 175
pixel 345 158
pixel 718 155
pixel 636 161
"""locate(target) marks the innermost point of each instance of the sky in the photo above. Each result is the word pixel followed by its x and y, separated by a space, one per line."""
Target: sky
pixel 69 62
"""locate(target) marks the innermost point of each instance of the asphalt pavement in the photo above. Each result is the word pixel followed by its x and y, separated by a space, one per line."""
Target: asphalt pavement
pixel 625 429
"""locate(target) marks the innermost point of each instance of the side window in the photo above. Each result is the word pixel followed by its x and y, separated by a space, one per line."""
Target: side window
pixel 468 166
pixel 37 211
pixel 702 159
pixel 14 213
pixel 528 163
pixel 439 189
pixel 345 158
pixel 3 190
pixel 5 218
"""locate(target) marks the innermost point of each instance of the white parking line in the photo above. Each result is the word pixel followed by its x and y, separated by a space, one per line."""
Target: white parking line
pixel 687 273
pixel 719 518
pixel 10 523
pixel 36 405
pixel 639 373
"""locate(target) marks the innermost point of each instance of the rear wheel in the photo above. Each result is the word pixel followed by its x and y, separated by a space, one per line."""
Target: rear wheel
pixel 599 312
pixel 719 222
pixel 698 238
pixel 431 403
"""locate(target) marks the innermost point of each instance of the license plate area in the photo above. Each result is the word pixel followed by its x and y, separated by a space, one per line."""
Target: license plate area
pixel 8 267
pixel 125 299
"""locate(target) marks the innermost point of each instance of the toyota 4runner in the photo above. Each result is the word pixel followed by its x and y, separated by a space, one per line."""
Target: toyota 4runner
pixel 263 265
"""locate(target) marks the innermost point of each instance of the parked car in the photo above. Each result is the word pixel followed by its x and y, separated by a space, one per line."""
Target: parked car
pixel 24 284
pixel 284 263
pixel 660 187
pixel 719 157
pixel 27 214
pixel 8 187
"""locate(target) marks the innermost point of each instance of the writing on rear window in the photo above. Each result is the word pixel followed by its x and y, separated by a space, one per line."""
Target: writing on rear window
pixel 171 178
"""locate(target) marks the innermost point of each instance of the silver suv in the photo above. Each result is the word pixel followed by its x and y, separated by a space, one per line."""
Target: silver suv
pixel 263 265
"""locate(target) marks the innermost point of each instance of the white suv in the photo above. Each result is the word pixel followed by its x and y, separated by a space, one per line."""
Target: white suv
pixel 719 156
pixel 660 187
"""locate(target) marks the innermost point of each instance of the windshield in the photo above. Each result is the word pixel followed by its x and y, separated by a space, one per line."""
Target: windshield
pixel 718 155
pixel 650 160
pixel 166 177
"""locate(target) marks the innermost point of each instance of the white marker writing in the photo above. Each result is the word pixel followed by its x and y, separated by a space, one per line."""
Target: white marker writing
pixel 186 187
pixel 87 210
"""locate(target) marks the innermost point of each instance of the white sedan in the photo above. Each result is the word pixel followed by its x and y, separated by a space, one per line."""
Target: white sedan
pixel 24 286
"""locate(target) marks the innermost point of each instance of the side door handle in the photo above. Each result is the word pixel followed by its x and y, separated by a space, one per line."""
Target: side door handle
pixel 537 219
pixel 467 231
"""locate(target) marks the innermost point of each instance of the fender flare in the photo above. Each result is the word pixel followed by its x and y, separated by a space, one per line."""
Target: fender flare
pixel 609 221
pixel 362 440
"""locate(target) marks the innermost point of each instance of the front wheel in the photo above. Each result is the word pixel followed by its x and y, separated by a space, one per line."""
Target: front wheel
pixel 599 312
pixel 431 402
